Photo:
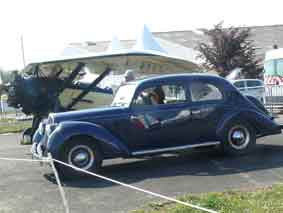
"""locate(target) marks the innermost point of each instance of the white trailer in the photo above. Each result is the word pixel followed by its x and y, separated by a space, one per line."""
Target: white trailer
pixel 273 78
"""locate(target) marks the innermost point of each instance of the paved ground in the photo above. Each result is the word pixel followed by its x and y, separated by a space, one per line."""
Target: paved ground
pixel 25 187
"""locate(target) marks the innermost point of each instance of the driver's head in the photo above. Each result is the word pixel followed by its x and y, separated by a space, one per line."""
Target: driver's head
pixel 159 95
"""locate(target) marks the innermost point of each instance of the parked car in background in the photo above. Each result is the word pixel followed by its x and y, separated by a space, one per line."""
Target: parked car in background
pixel 152 116
pixel 251 87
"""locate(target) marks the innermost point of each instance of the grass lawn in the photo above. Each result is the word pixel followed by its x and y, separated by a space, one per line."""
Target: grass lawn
pixel 13 127
pixel 268 199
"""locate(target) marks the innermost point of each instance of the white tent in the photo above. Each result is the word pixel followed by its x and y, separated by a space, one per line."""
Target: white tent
pixel 146 41
pixel 146 57
pixel 73 51
pixel 115 45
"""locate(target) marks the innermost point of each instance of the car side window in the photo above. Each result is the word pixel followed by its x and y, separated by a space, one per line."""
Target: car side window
pixel 202 91
pixel 164 94
pixel 254 84
pixel 239 84
pixel 174 94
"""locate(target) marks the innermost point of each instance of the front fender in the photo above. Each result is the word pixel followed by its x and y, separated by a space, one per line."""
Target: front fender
pixel 262 123
pixel 111 146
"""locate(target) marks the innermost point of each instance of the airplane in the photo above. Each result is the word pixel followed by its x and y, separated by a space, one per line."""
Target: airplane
pixel 59 84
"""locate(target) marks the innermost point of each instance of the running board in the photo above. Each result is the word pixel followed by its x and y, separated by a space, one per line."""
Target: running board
pixel 176 148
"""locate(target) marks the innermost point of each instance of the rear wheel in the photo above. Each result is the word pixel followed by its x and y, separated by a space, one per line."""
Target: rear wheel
pixel 239 138
pixel 82 153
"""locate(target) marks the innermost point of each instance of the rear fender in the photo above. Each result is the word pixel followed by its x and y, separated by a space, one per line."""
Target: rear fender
pixel 262 123
pixel 110 145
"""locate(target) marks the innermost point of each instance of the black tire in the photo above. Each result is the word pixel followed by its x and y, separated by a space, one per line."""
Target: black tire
pixel 239 138
pixel 81 152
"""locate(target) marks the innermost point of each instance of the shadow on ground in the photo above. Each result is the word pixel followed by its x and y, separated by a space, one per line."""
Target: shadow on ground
pixel 207 162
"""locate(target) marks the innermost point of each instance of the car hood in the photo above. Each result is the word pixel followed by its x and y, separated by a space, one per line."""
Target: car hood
pixel 87 114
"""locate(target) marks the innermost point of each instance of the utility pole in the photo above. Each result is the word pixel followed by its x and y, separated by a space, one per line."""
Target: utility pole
pixel 23 51
pixel 2 107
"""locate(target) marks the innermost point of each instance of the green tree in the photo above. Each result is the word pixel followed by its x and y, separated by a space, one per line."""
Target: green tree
pixel 229 48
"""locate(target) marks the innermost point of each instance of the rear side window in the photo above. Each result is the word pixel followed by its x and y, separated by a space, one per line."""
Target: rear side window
pixel 174 94
pixel 239 84
pixel 254 83
pixel 202 91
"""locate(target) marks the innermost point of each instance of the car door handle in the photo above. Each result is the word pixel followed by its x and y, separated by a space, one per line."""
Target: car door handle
pixel 196 112
pixel 133 117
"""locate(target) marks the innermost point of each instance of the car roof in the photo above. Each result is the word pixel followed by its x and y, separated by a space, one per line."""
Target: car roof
pixel 174 77
pixel 249 79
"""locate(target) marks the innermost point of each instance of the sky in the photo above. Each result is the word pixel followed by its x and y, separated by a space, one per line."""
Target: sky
pixel 48 26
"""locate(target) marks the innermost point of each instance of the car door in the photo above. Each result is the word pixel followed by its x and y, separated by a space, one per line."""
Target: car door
pixel 208 107
pixel 167 124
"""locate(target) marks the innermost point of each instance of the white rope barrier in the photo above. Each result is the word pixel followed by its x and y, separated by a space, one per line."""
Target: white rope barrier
pixel 52 160
pixel 65 202
pixel 47 160
pixel 137 188
pixel 25 160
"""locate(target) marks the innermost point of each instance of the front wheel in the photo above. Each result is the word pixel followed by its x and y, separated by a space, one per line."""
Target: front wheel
pixel 82 153
pixel 239 138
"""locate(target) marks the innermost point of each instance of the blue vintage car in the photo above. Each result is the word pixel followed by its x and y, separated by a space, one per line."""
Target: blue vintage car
pixel 156 115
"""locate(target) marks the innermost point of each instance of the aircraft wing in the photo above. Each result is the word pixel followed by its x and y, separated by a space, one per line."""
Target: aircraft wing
pixel 76 80
pixel 145 62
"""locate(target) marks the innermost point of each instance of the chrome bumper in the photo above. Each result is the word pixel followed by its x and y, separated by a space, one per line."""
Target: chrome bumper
pixel 37 153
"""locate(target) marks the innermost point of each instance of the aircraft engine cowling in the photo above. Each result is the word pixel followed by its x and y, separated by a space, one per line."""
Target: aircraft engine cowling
pixel 31 94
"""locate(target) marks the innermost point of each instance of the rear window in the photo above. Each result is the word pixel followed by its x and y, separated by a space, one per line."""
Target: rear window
pixel 202 91
pixel 254 83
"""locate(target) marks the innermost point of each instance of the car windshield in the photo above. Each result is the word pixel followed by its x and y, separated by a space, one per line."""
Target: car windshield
pixel 124 95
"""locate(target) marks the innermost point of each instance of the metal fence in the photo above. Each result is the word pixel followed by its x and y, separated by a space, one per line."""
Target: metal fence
pixel 274 98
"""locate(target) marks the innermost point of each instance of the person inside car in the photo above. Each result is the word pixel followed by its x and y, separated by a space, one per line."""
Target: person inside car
pixel 157 96
pixel 152 96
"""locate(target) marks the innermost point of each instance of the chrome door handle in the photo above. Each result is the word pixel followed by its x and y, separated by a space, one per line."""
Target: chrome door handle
pixel 134 117
pixel 196 112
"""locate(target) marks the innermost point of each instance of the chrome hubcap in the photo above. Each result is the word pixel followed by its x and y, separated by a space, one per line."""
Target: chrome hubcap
pixel 81 156
pixel 239 137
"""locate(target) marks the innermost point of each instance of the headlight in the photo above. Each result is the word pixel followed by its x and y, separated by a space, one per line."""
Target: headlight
pixel 50 128
pixel 41 128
